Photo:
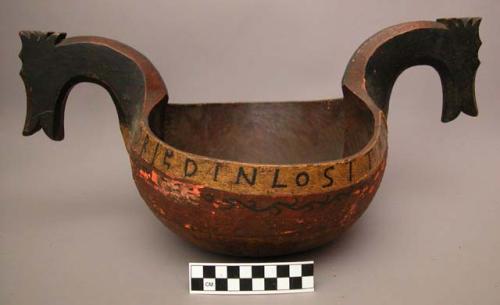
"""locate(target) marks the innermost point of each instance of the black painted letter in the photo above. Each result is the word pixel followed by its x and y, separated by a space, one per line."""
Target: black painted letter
pixel 194 168
pixel 330 179
pixel 168 154
pixel 241 173
pixel 276 184
pixel 302 179
pixel 216 171
pixel 144 145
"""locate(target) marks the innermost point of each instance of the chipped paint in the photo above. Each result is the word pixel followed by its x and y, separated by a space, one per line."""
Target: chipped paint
pixel 180 191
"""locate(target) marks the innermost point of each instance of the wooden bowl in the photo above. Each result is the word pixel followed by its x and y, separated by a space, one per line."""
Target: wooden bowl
pixel 253 179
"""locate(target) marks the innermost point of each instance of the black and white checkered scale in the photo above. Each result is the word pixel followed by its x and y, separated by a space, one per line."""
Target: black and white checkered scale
pixel 251 278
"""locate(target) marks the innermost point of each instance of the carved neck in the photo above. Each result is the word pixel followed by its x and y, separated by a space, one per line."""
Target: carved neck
pixel 449 45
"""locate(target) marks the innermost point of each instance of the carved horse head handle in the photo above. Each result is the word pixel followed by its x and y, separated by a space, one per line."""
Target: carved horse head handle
pixel 52 65
pixel 448 45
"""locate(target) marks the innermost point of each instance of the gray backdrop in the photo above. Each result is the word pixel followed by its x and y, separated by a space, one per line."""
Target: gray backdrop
pixel 73 229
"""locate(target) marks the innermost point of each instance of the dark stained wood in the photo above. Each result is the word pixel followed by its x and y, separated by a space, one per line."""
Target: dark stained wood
pixel 278 133
pixel 449 45
pixel 53 65
pixel 253 179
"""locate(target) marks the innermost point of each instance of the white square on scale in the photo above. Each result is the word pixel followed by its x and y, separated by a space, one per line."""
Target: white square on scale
pixel 257 284
pixel 283 283
pixel 270 271
pixel 307 282
pixel 208 284
pixel 197 271
pixel 233 284
pixel 221 272
pixel 295 270
pixel 245 272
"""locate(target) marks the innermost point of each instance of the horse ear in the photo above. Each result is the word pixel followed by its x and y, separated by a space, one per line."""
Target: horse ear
pixel 25 37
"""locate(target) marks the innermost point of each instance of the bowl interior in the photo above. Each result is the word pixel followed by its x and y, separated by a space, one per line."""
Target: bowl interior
pixel 271 132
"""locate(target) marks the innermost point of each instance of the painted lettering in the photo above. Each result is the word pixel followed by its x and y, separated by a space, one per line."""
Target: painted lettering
pixel 168 154
pixel 216 171
pixel 242 174
pixel 327 176
pixel 302 179
pixel 276 184
pixel 144 145
pixel 155 152
pixel 190 168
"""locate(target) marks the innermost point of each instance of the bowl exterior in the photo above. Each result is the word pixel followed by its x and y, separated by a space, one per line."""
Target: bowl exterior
pixel 253 225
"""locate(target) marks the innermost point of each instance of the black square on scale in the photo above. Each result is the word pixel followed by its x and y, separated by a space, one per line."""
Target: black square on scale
pixel 257 271
pixel 246 284
pixel 296 282
pixel 209 272
pixel 270 284
pixel 197 284
pixel 283 270
pixel 307 269
pixel 233 272
pixel 221 284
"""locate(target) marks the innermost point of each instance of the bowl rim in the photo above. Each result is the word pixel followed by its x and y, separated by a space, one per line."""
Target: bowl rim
pixel 378 117
pixel 146 149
